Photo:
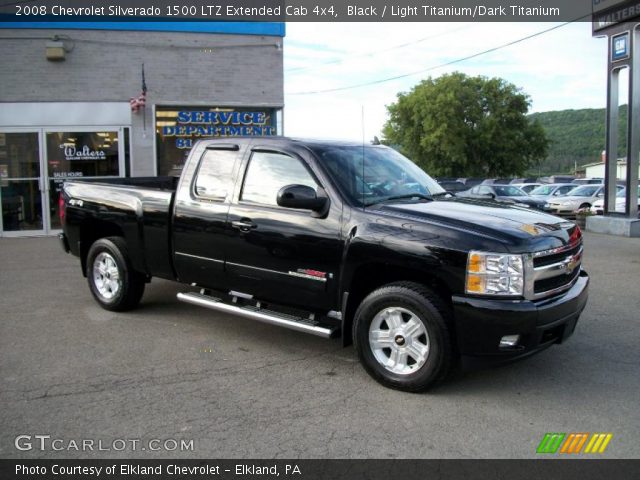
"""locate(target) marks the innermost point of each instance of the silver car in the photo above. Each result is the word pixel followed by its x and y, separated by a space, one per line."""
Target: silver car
pixel 581 197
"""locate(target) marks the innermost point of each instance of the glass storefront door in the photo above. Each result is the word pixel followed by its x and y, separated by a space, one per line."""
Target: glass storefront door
pixel 21 185
pixel 34 164
pixel 74 154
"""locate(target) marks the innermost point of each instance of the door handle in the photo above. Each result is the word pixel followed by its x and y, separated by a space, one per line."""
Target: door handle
pixel 244 225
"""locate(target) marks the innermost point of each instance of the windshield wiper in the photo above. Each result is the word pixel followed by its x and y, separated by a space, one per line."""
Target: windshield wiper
pixel 421 196
pixel 410 195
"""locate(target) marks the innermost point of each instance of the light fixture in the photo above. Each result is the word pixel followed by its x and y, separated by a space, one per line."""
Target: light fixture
pixel 55 51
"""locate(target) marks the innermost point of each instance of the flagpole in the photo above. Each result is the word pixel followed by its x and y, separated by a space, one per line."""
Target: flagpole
pixel 144 93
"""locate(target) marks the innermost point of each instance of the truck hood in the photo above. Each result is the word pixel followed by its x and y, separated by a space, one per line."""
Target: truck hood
pixel 522 229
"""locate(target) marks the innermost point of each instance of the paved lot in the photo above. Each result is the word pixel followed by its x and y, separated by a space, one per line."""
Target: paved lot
pixel 242 389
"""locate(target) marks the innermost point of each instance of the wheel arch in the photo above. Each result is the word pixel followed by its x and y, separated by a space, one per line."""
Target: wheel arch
pixel 92 231
pixel 368 277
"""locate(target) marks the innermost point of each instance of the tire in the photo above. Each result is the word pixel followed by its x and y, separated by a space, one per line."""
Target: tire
pixel 417 353
pixel 584 205
pixel 109 258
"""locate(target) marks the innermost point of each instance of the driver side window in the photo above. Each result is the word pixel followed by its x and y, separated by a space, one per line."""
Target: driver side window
pixel 268 172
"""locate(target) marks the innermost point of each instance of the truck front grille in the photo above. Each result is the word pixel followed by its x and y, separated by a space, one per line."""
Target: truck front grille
pixel 552 272
pixel 552 283
pixel 550 258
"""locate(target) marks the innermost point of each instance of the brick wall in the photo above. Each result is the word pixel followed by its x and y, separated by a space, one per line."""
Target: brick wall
pixel 180 68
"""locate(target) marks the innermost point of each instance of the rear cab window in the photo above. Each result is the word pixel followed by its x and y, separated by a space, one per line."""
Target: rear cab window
pixel 215 177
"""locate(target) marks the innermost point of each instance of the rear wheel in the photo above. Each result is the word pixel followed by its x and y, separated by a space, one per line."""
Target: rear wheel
pixel 402 336
pixel 112 280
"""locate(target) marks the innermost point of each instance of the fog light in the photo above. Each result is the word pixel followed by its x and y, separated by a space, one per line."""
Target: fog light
pixel 509 341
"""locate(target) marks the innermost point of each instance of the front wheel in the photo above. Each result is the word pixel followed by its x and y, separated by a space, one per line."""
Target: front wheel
pixel 402 336
pixel 112 280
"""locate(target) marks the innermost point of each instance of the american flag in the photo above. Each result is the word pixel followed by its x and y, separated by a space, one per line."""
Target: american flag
pixel 140 101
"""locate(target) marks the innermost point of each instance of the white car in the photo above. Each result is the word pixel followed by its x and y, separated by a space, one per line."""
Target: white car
pixel 577 199
pixel 621 202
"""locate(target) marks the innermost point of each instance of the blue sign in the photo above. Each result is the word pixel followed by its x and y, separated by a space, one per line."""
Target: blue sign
pixel 620 47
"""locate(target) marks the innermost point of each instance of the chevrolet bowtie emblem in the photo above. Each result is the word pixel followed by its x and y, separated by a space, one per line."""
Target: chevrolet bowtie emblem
pixel 571 264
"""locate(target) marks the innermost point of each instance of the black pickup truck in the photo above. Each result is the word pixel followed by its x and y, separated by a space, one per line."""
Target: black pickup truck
pixel 336 238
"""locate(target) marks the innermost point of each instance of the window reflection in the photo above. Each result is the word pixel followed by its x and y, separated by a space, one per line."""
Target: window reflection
pixel 269 172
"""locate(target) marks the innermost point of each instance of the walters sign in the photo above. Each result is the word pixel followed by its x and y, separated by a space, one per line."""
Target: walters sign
pixel 607 13
pixel 71 152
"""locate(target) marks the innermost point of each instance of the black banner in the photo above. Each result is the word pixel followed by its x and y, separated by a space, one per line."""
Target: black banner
pixel 587 469
pixel 301 10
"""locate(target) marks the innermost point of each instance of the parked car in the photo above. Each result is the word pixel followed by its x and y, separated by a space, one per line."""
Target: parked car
pixel 293 233
pixel 503 193
pixel 470 182
pixel 551 190
pixel 524 180
pixel 496 181
pixel 452 186
pixel 526 187
pixel 621 202
pixel 588 181
pixel 557 179
pixel 581 197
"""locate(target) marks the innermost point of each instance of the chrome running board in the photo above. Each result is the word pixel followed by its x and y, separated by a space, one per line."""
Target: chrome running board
pixel 254 312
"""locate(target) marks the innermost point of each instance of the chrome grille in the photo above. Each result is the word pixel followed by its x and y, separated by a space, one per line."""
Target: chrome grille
pixel 551 272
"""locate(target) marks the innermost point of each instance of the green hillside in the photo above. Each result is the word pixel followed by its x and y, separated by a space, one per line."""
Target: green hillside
pixel 577 136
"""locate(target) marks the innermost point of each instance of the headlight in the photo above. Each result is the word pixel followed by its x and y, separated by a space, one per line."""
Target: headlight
pixel 494 274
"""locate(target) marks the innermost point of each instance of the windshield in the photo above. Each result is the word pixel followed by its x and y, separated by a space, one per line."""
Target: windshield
pixel 508 191
pixel 386 173
pixel 584 191
pixel 543 190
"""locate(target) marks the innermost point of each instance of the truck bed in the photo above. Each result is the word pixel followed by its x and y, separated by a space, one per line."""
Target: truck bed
pixel 159 183
pixel 138 209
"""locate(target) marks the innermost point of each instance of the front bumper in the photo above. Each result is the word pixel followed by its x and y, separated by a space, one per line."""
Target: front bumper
pixel 481 323
pixel 560 211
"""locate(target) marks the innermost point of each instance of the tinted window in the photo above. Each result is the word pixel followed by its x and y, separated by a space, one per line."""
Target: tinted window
pixel 565 190
pixel 268 173
pixel 509 191
pixel 215 174
pixel 543 190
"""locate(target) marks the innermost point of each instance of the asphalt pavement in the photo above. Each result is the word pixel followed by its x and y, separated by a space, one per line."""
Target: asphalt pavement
pixel 228 387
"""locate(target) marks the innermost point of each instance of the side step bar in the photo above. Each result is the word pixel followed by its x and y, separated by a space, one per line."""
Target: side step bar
pixel 299 324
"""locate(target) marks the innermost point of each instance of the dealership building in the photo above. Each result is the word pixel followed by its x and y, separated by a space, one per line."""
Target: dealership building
pixel 100 100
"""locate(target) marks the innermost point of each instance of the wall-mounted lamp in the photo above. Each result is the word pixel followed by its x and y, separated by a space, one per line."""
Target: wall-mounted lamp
pixel 55 51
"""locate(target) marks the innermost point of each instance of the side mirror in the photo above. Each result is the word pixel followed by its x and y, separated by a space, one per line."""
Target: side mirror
pixel 301 196
pixel 600 195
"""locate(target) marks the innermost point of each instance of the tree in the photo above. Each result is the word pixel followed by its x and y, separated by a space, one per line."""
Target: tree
pixel 458 125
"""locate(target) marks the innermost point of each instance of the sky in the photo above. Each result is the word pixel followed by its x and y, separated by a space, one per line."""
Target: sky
pixel 560 69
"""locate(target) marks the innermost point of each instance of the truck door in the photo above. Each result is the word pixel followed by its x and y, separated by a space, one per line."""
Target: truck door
pixel 200 214
pixel 282 254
